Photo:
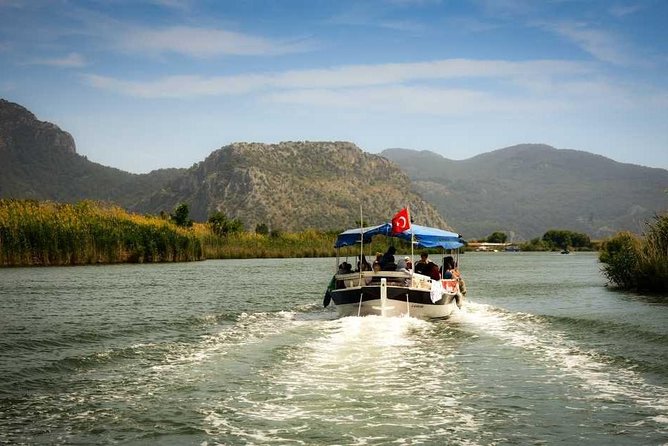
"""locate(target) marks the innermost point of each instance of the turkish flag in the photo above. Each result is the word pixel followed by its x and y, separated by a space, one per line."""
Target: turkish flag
pixel 401 221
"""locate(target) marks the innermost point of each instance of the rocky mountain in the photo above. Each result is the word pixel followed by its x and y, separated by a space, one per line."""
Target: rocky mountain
pixel 38 160
pixel 288 186
pixel 528 189
pixel 295 185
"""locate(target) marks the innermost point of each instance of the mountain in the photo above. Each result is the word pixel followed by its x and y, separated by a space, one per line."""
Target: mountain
pixel 295 185
pixel 530 188
pixel 38 160
pixel 288 186
pixel 525 190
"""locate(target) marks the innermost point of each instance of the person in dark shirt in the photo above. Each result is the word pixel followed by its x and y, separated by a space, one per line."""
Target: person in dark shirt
pixel 422 266
pixel 387 261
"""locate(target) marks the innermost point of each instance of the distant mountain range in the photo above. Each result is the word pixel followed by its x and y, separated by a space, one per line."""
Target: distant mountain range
pixel 524 190
pixel 527 189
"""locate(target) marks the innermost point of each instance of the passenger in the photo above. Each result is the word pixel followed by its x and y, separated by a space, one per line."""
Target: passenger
pixel 404 267
pixel 434 272
pixel 362 264
pixel 376 270
pixel 345 268
pixel 409 263
pixel 449 270
pixel 387 261
pixel 423 265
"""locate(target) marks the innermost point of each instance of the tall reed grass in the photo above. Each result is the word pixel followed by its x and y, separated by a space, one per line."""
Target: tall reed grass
pixel 47 233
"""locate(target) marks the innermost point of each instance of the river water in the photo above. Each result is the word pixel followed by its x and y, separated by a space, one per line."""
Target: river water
pixel 242 352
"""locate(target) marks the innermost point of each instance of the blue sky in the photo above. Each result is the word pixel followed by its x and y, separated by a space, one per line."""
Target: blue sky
pixel 149 84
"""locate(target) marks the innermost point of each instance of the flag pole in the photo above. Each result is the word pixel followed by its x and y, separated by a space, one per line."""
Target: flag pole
pixel 361 267
pixel 412 241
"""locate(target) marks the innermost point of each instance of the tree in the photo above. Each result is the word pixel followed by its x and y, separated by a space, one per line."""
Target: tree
pixel 222 226
pixel 180 216
pixel 559 238
pixel 497 237
pixel 262 228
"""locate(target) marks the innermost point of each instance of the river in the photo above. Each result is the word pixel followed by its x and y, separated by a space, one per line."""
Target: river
pixel 242 352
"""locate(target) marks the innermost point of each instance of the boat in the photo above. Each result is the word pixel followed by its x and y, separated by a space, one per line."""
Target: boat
pixel 395 292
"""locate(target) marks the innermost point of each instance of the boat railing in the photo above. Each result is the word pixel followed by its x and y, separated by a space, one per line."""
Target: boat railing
pixel 394 278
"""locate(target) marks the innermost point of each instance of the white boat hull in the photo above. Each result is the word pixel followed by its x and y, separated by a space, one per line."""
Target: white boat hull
pixel 396 295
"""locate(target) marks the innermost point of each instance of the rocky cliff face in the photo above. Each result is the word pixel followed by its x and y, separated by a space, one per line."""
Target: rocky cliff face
pixel 295 185
pixel 38 160
pixel 26 136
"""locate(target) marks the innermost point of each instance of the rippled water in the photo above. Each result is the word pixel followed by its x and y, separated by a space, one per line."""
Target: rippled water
pixel 241 352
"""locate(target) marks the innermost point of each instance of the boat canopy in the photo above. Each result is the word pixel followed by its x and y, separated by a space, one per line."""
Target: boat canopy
pixel 424 236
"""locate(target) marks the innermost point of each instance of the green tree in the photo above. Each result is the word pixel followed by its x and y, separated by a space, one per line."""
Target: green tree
pixel 262 228
pixel 180 216
pixel 222 226
pixel 497 237
pixel 560 238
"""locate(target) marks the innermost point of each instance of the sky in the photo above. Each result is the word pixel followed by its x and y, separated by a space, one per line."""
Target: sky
pixel 143 85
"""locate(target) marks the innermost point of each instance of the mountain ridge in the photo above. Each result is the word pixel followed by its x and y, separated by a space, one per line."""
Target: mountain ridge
pixel 289 186
pixel 523 190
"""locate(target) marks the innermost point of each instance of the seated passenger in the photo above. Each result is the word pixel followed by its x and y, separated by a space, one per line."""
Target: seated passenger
pixel 374 278
pixel 434 272
pixel 362 264
pixel 423 265
pixel 387 261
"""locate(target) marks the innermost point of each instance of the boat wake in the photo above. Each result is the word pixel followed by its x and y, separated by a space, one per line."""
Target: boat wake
pixel 594 376
pixel 379 376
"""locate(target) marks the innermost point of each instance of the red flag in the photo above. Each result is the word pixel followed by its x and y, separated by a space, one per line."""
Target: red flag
pixel 401 221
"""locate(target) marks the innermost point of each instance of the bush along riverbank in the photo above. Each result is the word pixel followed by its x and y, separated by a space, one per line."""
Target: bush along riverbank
pixel 638 263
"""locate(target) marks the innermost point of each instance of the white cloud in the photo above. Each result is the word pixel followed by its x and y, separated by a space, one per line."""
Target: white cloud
pixel 350 76
pixel 620 10
pixel 205 42
pixel 72 60
pixel 413 100
pixel 602 45
pixel 180 86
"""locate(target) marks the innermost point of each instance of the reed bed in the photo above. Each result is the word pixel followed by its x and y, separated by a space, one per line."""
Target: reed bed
pixel 88 232
pixel 48 233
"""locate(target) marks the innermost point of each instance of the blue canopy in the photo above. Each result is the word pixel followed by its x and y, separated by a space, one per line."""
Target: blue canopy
pixel 424 236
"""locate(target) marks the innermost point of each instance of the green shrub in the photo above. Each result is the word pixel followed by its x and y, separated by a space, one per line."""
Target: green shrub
pixel 633 263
